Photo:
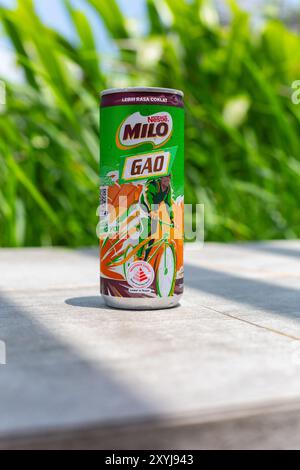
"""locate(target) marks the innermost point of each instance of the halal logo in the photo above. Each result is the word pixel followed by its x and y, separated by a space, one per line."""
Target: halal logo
pixel 136 130
pixel 140 274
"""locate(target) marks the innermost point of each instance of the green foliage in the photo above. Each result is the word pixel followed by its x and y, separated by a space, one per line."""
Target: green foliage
pixel 242 130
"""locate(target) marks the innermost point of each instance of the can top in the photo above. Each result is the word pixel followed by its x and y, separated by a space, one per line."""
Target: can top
pixel 141 89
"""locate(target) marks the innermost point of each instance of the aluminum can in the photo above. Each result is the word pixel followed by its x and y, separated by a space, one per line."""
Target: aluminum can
pixel 141 197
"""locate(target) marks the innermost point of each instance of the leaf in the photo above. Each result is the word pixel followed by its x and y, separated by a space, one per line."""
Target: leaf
pixel 111 16
pixel 16 39
pixel 156 24
pixel 88 50
pixel 33 191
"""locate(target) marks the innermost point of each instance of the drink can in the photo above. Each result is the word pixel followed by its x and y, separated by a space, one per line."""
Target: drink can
pixel 141 197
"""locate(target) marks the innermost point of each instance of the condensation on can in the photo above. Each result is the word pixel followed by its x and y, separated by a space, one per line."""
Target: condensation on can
pixel 141 163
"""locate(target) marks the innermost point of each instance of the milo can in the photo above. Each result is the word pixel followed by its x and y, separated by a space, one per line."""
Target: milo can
pixel 141 197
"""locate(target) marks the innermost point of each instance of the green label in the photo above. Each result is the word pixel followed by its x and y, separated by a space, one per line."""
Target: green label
pixel 141 142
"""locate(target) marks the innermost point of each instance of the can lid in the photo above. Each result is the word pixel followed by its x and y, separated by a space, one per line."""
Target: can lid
pixel 133 89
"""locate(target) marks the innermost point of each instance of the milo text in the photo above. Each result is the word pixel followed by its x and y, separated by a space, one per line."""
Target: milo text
pixel 136 130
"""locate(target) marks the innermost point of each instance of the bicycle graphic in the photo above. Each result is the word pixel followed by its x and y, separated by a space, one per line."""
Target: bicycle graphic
pixel 159 253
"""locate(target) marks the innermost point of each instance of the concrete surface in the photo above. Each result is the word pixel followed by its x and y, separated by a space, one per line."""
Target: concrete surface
pixel 222 371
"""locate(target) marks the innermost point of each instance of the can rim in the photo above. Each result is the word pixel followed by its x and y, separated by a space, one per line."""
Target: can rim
pixel 111 91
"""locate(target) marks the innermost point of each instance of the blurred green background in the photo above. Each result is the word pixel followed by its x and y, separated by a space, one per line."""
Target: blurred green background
pixel 242 129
